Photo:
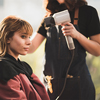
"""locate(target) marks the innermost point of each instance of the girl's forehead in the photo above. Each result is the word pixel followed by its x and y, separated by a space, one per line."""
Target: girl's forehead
pixel 24 31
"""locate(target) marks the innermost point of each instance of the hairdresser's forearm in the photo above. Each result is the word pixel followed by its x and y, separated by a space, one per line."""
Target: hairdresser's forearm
pixel 36 41
pixel 92 46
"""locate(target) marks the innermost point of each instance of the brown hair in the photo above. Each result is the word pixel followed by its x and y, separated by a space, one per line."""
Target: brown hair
pixel 10 25
pixel 52 6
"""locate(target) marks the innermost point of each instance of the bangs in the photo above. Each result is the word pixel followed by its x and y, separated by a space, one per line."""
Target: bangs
pixel 28 28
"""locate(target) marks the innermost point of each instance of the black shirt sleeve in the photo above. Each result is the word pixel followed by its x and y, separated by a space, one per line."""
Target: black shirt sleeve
pixel 93 26
pixel 42 29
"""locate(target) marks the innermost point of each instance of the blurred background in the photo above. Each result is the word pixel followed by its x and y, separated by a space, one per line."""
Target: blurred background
pixel 33 12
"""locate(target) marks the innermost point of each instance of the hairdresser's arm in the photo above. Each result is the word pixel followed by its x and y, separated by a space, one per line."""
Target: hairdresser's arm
pixel 36 41
pixel 91 45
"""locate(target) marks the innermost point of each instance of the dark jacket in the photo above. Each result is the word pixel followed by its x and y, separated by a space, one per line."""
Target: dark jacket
pixel 18 82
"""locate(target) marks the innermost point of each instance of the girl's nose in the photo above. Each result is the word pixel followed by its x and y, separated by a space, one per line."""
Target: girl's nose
pixel 28 42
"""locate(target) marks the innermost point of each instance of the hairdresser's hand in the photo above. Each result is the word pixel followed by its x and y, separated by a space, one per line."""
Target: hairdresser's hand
pixel 69 29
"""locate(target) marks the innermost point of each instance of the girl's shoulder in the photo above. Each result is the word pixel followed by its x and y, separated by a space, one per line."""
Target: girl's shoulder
pixel 4 62
pixel 7 70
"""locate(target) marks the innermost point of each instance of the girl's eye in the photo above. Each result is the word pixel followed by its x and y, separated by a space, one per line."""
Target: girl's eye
pixel 23 36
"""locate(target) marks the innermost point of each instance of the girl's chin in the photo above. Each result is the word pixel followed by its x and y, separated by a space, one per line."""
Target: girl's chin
pixel 23 53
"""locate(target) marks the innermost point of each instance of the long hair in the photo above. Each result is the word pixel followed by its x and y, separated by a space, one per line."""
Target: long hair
pixel 53 6
pixel 10 25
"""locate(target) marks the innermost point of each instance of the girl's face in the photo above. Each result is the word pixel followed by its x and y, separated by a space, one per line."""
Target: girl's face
pixel 61 1
pixel 18 44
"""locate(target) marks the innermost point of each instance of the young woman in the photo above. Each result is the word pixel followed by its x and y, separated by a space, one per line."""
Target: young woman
pixel 17 81
pixel 86 36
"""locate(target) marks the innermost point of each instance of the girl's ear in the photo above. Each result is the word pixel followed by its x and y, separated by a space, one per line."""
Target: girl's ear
pixel 8 40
